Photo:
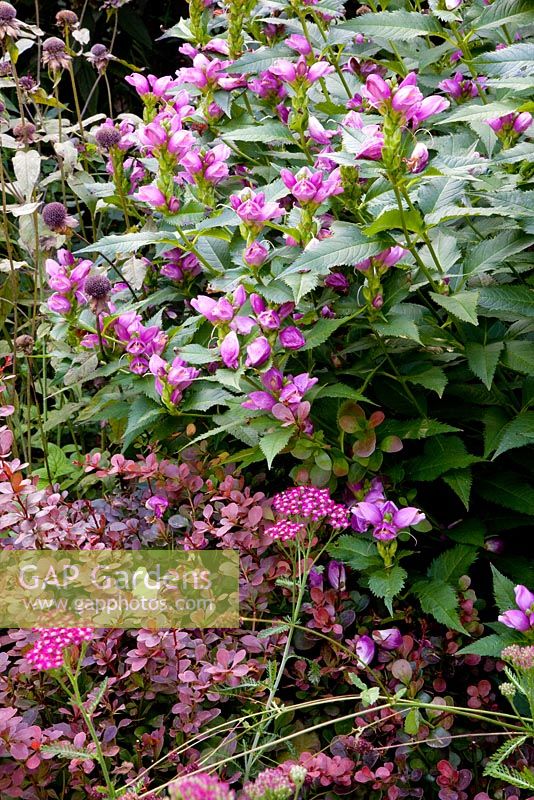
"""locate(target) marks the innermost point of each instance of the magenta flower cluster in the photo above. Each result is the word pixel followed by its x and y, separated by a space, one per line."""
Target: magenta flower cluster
pixel 522 617
pixel 301 506
pixel 48 651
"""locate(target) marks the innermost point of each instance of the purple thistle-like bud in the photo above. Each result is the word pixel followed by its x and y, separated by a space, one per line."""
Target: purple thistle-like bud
pixel 107 136
pixel 9 24
pixel 54 216
pixel 24 132
pixel 66 18
pixel 97 286
pixel 55 54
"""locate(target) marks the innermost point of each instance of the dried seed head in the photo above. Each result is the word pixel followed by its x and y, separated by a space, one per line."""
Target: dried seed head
pixel 66 18
pixel 97 286
pixel 107 136
pixel 24 132
pixel 24 343
pixel 55 55
pixel 54 216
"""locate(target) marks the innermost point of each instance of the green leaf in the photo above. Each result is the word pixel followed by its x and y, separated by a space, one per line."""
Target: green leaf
pixel 441 454
pixel 439 599
pixel 491 646
pixel 196 354
pixel 483 360
pixel 79 373
pixel 503 590
pixel 142 415
pixel 471 531
pixel 508 490
pixel 259 60
pixel 93 703
pixel 267 133
pixel 506 302
pixel 322 331
pixel 421 428
pixel 462 305
pixel 394 219
pixel 67 751
pixel 125 243
pixel 204 396
pixel 273 443
pixel 387 583
pixel 401 26
pixel 412 723
pixel 356 551
pixel 514 60
pixel 477 112
pixel 370 696
pixel 339 390
pixel 274 629
pixel 398 326
pixel 432 378
pixel 58 463
pixel 452 564
pixel 495 250
pixel 58 416
pixel 354 679
pixel 347 245
pixel 505 12
pixel 460 481
pixel 519 356
pixel 519 432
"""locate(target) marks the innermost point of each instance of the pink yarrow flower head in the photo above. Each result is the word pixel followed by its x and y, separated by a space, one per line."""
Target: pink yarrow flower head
pixel 254 210
pixel 312 188
pixel 300 73
pixel 48 650
pixel 302 506
pixel 200 787
pixel 271 784
pixel 522 617
pixel 385 519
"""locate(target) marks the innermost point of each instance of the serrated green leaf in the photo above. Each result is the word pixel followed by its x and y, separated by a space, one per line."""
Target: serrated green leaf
pixel 273 443
pixel 495 250
pixel 322 331
pixel 357 552
pixel 268 132
pixel 387 583
pixel 67 751
pixel 503 590
pixel 439 599
pixel 142 415
pixel 354 679
pixel 126 243
pixel 505 12
pixel 274 629
pixel 422 428
pixel 402 26
pixel 394 219
pixel 339 390
pixel 205 396
pixel 398 326
pixel 483 360
pixel 506 302
pixel 519 356
pixel 491 646
pixel 370 696
pixel 519 432
pixel 460 481
pixel 452 564
pixel 508 490
pixel 462 305
pixel 441 455
pixel 94 702
pixel 433 378
pixel 514 60
pixel 347 245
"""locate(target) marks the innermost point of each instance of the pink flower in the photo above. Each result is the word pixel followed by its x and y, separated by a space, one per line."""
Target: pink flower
pixel 522 618
pixel 291 338
pixel 230 350
pixel 158 504
pixel 299 43
pixel 152 86
pixel 47 652
pixel 312 187
pixel 389 638
pixel 418 159
pixel 253 208
pixel 365 650
pixel 300 72
pixel 255 254
pixel 385 518
pixel 258 352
